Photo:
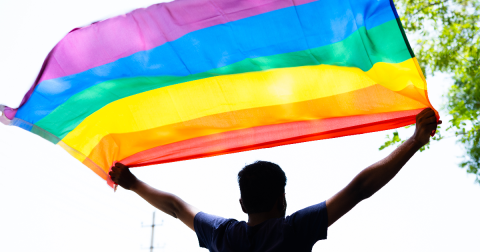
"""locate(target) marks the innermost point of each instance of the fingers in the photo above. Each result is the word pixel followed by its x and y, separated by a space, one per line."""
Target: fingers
pixel 426 123
pixel 121 175
pixel 423 115
pixel 426 116
pixel 113 177
pixel 116 171
pixel 425 111
pixel 430 120
pixel 429 113
pixel 120 165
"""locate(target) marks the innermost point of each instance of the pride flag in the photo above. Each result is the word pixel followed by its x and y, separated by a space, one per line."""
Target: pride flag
pixel 198 78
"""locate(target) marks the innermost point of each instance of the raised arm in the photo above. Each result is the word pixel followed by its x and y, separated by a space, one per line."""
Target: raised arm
pixel 166 202
pixel 374 177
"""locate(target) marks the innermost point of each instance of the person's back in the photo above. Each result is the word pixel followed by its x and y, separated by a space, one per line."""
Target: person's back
pixel 262 189
pixel 297 232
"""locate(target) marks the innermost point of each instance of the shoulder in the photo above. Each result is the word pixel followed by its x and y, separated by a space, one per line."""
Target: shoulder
pixel 311 223
pixel 202 218
pixel 213 230
pixel 315 211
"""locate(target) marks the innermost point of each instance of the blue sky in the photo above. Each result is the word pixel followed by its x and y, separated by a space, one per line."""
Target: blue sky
pixel 51 202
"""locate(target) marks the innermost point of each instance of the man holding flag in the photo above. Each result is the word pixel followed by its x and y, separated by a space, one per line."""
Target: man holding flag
pixel 262 187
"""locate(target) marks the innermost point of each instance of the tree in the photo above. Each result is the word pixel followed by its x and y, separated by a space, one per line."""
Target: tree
pixel 448 40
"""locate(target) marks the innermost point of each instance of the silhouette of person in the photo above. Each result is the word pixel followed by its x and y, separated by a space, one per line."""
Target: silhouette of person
pixel 262 197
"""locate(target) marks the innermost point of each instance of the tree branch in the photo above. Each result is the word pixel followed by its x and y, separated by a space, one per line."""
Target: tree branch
pixel 427 6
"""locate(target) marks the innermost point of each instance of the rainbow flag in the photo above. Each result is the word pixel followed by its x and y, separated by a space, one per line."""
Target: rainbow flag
pixel 198 78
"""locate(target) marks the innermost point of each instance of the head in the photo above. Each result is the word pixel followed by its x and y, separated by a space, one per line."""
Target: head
pixel 262 186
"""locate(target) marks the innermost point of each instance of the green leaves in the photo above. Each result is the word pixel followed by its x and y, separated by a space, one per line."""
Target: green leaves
pixel 447 37
pixel 392 141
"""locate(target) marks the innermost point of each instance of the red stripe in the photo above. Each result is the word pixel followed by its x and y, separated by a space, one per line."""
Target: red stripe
pixel 270 136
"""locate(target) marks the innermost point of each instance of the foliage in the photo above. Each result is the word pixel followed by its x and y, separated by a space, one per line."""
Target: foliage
pixel 396 140
pixel 392 141
pixel 448 40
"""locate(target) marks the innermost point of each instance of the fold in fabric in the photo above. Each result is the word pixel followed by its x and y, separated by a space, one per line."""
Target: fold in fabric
pixel 198 78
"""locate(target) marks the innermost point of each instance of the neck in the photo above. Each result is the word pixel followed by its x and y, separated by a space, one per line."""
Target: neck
pixel 257 218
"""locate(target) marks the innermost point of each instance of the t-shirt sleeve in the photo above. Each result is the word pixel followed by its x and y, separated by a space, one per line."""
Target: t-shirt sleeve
pixel 311 223
pixel 206 226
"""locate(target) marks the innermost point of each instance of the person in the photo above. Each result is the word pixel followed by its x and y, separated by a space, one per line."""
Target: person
pixel 262 198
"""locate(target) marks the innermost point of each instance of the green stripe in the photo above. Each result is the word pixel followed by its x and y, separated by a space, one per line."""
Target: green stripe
pixel 45 134
pixel 362 49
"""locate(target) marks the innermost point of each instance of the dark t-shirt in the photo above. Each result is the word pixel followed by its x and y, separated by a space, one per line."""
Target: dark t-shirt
pixel 297 232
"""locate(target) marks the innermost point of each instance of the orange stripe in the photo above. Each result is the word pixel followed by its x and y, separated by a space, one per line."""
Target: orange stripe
pixel 100 171
pixel 424 91
pixel 353 103
pixel 270 136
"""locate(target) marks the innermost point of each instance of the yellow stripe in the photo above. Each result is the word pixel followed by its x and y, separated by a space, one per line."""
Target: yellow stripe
pixel 195 99
pixel 397 76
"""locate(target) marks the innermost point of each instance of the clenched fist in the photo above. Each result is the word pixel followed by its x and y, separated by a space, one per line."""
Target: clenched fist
pixel 122 176
pixel 426 124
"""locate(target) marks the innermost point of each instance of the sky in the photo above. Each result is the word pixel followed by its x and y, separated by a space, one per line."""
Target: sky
pixel 51 202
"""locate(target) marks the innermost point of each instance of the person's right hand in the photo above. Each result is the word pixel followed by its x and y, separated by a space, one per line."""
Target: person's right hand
pixel 122 176
pixel 426 124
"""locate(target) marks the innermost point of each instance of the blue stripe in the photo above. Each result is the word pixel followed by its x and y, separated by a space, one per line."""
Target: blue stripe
pixel 22 124
pixel 286 30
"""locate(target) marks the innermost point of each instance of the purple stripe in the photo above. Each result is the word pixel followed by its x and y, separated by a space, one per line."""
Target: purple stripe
pixel 122 36
pixel 10 113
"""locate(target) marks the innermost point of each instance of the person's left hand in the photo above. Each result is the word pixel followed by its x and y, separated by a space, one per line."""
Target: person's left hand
pixel 122 176
pixel 425 125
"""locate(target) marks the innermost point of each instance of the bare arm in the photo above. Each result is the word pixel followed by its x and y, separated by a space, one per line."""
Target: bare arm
pixel 166 202
pixel 374 177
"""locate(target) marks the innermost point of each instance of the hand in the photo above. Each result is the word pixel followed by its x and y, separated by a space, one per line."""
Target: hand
pixel 426 123
pixel 122 176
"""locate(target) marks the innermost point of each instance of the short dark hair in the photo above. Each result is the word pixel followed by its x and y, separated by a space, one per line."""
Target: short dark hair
pixel 261 184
